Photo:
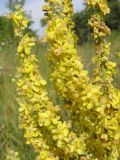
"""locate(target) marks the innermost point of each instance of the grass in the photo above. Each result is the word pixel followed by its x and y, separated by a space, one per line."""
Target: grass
pixel 10 135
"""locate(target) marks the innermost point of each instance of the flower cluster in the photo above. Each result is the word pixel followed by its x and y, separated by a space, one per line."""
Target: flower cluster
pixel 99 27
pixel 99 4
pixel 20 22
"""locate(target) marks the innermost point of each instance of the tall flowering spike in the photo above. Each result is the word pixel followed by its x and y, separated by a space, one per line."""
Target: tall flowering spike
pixel 50 137
pixel 67 74
pixel 105 133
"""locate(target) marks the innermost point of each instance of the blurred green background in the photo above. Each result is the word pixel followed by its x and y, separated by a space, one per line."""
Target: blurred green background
pixel 10 135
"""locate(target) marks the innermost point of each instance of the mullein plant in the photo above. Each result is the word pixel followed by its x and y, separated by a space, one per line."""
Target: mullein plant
pixel 92 130
pixel 106 137
pixel 51 137
pixel 67 73
pixel 95 104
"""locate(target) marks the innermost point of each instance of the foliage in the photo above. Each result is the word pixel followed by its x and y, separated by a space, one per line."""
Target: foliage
pixel 92 124
pixel 6 30
pixel 112 19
